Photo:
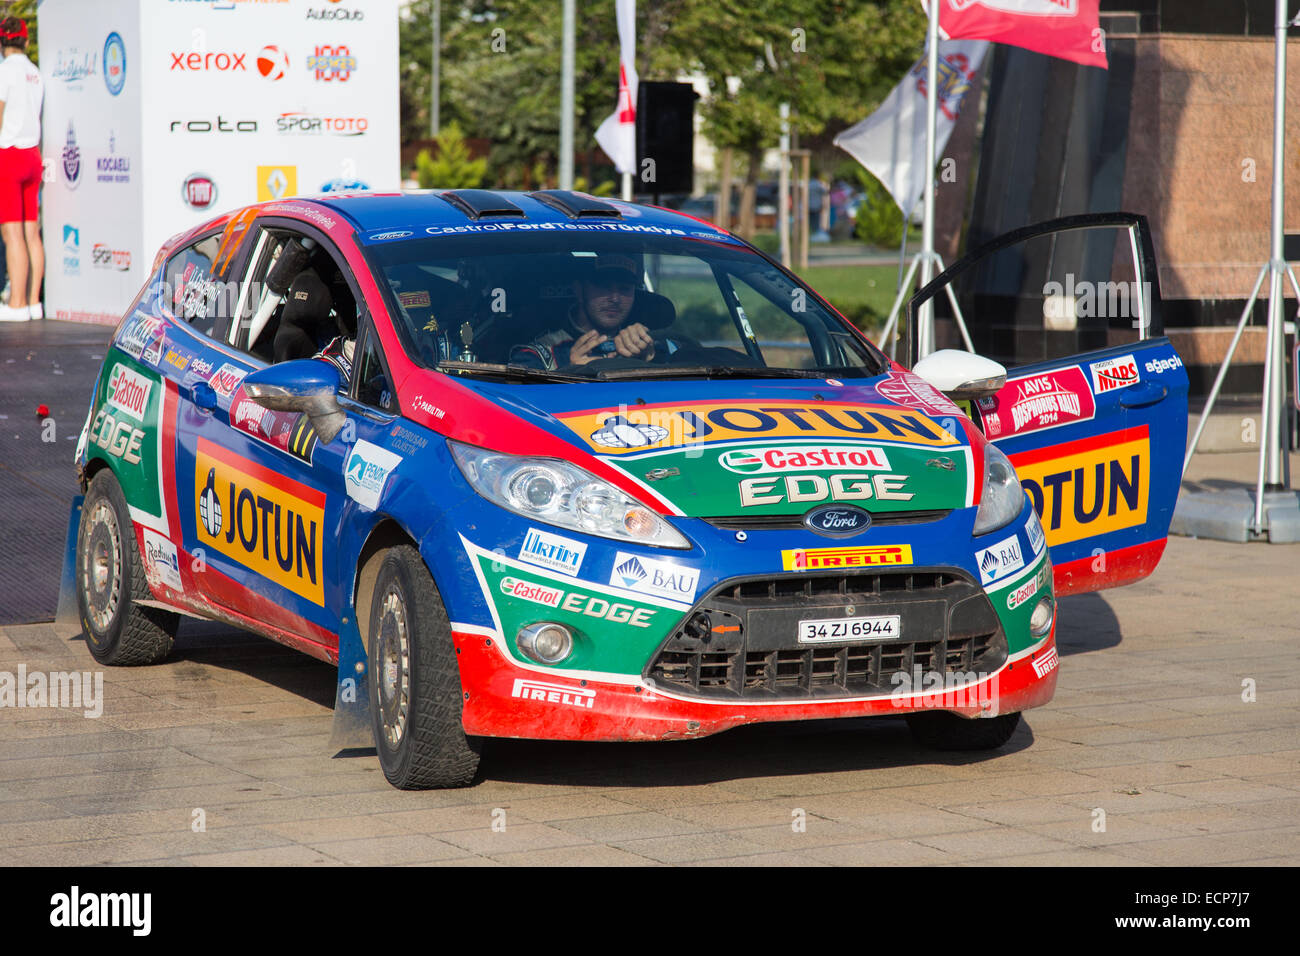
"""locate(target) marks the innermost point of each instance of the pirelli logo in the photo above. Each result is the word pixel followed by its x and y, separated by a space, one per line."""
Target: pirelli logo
pixel 820 559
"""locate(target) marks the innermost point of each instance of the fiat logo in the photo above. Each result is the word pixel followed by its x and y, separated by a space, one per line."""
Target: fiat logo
pixel 199 191
pixel 837 521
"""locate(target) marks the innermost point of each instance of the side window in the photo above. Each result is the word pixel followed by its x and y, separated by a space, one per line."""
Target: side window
pixel 194 294
pixel 299 299
pixel 782 340
pixel 372 383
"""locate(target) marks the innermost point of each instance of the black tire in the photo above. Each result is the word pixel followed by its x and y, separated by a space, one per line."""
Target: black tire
pixel 940 730
pixel 415 690
pixel 111 584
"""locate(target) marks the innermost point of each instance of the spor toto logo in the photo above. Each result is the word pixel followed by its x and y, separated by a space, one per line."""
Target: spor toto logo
pixel 199 191
pixel 272 62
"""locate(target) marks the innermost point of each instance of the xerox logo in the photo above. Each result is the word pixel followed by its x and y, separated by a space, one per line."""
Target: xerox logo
pixel 193 61
pixel 272 62
pixel 331 63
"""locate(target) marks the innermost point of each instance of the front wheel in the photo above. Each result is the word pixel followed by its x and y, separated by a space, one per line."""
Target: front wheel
pixel 941 730
pixel 415 690
pixel 111 586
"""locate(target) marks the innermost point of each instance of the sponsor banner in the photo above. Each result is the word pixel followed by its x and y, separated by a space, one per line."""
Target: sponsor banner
pixel 1089 487
pixel 621 430
pixel 261 520
pixel 1045 662
pixel 552 551
pixel 1034 531
pixel 1159 366
pixel 120 438
pixel 128 392
pixel 528 689
pixel 1000 559
pixel 910 390
pixel 819 559
pixel 651 576
pixel 137 333
pixel 226 379
pixel 366 472
pixel 803 458
pixel 161 562
pixel 1113 373
pixel 808 489
pixel 536 593
pixel 288 432
pixel 1037 402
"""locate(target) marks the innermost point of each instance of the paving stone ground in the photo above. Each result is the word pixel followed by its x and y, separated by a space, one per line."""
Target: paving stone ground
pixel 1149 734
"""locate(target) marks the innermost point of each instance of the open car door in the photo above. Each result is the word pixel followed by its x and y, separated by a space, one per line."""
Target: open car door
pixel 1094 412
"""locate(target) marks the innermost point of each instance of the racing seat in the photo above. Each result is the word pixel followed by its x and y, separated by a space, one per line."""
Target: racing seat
pixel 305 321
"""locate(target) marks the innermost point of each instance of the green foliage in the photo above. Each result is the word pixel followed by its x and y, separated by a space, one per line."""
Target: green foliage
pixel 879 219
pixel 453 169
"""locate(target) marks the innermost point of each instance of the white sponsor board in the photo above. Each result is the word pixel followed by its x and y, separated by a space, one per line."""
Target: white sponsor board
pixel 161 115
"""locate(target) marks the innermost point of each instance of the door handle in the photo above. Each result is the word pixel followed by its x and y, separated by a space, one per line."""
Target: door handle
pixel 1142 394
pixel 204 395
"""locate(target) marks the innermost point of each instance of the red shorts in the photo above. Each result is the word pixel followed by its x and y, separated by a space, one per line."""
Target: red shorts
pixel 20 183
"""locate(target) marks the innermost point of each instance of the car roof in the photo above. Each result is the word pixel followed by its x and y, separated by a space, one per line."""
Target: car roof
pixel 378 213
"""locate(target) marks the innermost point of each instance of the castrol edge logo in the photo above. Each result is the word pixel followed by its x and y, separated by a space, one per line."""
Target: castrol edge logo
pixel 746 461
pixel 128 392
pixel 261 520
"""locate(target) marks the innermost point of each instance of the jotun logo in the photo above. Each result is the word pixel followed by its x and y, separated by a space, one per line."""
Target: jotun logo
pixel 268 523
pixel 1091 486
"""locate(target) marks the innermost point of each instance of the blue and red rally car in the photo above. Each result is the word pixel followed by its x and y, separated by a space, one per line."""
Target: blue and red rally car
pixel 544 466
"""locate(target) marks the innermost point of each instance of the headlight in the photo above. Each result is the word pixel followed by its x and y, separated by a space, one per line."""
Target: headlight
pixel 1003 497
pixel 558 493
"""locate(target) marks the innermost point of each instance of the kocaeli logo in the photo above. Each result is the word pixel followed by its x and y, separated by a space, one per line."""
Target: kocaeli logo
pixel 268 523
pixel 366 472
pixel 112 168
pixel 332 63
pixel 129 392
pixel 114 63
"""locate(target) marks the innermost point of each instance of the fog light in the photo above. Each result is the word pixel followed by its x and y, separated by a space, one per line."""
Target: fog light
pixel 1040 622
pixel 545 642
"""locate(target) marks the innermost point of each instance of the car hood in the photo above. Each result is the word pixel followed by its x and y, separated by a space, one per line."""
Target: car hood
pixel 887 444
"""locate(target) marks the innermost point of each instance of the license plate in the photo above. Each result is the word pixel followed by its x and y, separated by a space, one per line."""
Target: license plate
pixel 836 630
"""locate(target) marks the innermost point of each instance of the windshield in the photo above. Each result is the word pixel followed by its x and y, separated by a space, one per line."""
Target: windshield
pixel 594 306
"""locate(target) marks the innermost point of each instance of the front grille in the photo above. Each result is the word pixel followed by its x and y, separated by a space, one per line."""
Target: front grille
pixel 741 641
pixel 795 522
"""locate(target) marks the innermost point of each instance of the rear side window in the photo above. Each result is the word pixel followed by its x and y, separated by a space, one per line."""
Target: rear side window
pixel 194 294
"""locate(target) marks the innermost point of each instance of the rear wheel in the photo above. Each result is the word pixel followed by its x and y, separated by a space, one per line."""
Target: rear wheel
pixel 415 690
pixel 941 730
pixel 111 584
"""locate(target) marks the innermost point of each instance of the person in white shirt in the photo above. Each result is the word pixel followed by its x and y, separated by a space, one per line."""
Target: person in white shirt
pixel 21 93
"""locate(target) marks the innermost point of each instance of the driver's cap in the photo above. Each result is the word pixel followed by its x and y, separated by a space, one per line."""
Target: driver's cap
pixel 613 264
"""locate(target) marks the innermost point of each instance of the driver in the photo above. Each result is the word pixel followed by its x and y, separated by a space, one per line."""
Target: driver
pixel 599 324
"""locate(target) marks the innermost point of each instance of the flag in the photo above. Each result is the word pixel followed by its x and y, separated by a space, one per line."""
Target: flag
pixel 617 135
pixel 891 141
pixel 1069 29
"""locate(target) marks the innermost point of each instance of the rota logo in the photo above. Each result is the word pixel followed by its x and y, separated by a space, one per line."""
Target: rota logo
pixel 272 62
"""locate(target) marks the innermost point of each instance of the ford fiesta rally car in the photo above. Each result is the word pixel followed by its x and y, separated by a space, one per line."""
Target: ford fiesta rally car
pixel 369 427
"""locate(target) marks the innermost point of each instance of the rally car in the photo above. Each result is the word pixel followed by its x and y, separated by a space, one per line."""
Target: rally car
pixel 375 428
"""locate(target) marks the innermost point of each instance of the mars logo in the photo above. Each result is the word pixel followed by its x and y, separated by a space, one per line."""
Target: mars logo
pixel 272 62
pixel 332 63
pixel 198 191
pixel 71 157
pixel 1114 373
pixel 1031 8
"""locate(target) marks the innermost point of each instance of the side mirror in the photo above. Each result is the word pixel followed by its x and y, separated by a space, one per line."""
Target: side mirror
pixel 962 376
pixel 304 385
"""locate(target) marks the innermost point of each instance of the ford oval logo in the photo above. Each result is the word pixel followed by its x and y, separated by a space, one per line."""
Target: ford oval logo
pixel 838 521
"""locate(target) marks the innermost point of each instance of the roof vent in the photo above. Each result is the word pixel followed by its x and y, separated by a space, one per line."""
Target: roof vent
pixel 576 205
pixel 481 203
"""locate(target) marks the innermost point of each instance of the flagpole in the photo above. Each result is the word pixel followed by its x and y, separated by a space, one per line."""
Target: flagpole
pixel 925 333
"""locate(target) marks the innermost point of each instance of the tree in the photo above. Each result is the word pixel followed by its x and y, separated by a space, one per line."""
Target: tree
pixel 453 168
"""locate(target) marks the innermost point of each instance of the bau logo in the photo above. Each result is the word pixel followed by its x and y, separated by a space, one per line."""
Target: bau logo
pixel 261 520
pixel 652 576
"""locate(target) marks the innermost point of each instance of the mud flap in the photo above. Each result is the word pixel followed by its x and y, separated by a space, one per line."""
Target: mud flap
pixel 67 618
pixel 352 727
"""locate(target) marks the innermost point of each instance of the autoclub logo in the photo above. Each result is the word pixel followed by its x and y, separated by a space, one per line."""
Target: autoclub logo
pixel 334 13
pixel 311 124
pixel 71 156
pixel 199 191
pixel 73 65
pixel 272 62
pixel 112 168
pixel 332 63
pixel 114 63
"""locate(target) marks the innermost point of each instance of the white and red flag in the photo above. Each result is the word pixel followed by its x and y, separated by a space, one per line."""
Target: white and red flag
pixel 1069 29
pixel 617 135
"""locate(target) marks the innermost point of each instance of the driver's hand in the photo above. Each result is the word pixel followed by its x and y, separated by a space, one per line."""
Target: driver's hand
pixel 635 342
pixel 579 351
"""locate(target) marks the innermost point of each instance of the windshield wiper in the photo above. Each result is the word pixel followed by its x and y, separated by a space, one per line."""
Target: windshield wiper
pixel 710 371
pixel 521 373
